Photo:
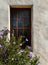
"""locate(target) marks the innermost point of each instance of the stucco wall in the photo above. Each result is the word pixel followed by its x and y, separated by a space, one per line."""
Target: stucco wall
pixel 39 24
pixel 40 27
pixel 3 14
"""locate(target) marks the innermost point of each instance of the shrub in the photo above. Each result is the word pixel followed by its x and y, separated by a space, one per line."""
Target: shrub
pixel 12 53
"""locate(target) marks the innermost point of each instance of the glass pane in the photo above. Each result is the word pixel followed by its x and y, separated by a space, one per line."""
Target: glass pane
pixel 14 32
pixel 26 23
pixel 13 14
pixel 19 14
pixel 27 33
pixel 14 23
pixel 26 13
pixel 20 23
pixel 20 32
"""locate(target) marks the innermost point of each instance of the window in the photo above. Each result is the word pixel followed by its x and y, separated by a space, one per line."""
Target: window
pixel 21 22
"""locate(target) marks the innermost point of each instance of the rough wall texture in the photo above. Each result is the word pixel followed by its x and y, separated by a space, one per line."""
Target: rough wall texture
pixel 3 14
pixel 39 24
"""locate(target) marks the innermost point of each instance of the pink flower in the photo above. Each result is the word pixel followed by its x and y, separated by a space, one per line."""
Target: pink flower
pixel 1 35
pixel 30 55
pixel 20 44
pixel 26 40
pixel 29 47
pixel 8 31
pixel 2 30
pixel 0 46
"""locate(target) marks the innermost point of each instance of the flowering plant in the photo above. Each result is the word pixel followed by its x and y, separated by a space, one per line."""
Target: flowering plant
pixel 12 51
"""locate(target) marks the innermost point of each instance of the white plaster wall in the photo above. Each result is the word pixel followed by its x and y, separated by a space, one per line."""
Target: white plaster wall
pixel 19 2
pixel 40 27
pixel 39 24
pixel 3 14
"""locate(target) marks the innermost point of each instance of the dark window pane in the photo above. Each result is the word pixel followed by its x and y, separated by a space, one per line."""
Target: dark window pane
pixel 14 23
pixel 13 14
pixel 20 32
pixel 27 33
pixel 26 23
pixel 15 33
pixel 20 23
pixel 19 14
pixel 26 14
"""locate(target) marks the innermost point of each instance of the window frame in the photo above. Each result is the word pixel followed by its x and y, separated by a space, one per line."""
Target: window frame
pixel 30 18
